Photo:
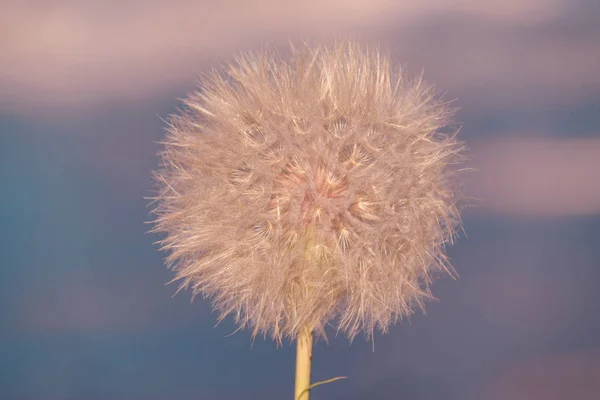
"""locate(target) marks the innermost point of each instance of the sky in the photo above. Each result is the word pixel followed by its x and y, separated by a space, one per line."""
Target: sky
pixel 85 312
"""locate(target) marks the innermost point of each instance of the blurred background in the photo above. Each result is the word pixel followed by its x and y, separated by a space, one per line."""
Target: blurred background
pixel 84 309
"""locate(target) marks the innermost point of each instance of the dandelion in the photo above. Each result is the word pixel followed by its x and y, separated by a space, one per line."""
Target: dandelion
pixel 309 191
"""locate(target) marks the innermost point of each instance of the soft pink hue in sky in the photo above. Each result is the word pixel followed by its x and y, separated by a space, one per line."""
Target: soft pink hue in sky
pixel 567 376
pixel 79 53
pixel 536 177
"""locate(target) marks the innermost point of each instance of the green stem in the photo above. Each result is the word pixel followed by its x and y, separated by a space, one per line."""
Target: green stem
pixel 337 378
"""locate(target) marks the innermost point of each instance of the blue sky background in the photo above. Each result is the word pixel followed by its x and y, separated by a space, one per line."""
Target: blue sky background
pixel 84 310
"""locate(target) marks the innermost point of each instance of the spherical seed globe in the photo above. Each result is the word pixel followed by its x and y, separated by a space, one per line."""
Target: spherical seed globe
pixel 310 190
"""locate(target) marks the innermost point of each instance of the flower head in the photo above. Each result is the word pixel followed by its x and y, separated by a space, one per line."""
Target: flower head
pixel 313 190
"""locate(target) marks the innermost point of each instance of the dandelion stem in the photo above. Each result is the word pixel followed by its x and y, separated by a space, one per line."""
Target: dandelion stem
pixel 303 363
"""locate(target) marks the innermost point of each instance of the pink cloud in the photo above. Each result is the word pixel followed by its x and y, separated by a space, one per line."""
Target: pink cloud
pixel 75 54
pixel 84 51
pixel 535 177
pixel 570 376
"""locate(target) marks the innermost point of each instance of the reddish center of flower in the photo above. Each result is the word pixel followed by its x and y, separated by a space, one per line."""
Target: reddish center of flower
pixel 321 191
pixel 320 197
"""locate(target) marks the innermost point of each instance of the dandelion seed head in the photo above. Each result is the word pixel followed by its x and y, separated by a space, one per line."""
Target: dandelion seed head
pixel 308 191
